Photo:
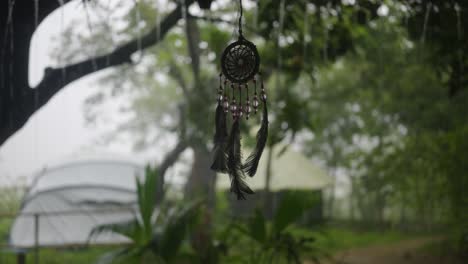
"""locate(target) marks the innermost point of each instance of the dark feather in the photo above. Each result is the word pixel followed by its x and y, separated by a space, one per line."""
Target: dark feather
pixel 220 137
pixel 234 163
pixel 251 164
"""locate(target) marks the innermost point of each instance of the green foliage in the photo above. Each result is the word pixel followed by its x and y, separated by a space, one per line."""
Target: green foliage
pixel 146 192
pixel 175 226
pixel 156 232
pixel 272 241
pixel 292 206
pixel 257 227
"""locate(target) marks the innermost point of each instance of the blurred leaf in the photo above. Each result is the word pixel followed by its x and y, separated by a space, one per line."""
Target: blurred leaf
pixel 291 208
pixel 257 227
pixel 176 228
pixel 130 229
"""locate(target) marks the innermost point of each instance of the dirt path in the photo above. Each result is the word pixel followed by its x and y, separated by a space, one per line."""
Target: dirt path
pixel 404 252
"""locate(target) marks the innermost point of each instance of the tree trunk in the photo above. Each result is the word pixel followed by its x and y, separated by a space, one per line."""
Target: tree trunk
pixel 268 199
pixel 201 181
pixel 331 194
pixel 403 214
pixel 355 200
pixel 201 184
pixel 168 161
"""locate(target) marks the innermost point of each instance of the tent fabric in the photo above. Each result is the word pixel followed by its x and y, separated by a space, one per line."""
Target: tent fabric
pixel 71 199
pixel 89 172
pixel 290 170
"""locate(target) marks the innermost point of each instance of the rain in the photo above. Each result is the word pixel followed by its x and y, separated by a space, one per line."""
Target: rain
pixel 128 133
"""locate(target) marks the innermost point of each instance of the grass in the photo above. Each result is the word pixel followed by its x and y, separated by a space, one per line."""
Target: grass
pixel 4 228
pixel 50 256
pixel 329 239
pixel 56 256
pixel 336 239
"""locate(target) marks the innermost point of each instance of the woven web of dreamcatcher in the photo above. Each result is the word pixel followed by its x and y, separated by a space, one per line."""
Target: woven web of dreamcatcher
pixel 240 61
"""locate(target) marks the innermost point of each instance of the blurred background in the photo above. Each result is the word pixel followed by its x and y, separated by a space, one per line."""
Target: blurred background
pixel 366 160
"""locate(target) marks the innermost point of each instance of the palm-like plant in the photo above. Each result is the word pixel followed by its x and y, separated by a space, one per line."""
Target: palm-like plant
pixel 157 233
pixel 274 241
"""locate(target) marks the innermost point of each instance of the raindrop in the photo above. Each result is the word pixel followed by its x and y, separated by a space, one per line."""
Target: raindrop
pixel 459 25
pixel 280 31
pixel 184 10
pixel 12 51
pixel 305 34
pixel 90 27
pixel 257 3
pixel 139 23
pixel 62 30
pixel 426 21
pixel 8 29
pixel 36 13
pixel 279 41
pixel 158 21
pixel 460 37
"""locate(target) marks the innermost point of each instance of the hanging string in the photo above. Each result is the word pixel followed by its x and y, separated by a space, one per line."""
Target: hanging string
pixel 220 89
pixel 240 17
pixel 255 100
pixel 226 98
pixel 233 102
pixel 247 104
pixel 239 111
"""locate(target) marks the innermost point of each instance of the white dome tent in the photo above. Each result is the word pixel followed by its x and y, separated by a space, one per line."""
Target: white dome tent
pixel 67 201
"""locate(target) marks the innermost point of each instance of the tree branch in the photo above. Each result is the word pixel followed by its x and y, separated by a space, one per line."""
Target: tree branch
pixel 193 41
pixel 172 156
pixel 56 79
pixel 31 100
pixel 168 161
pixel 176 73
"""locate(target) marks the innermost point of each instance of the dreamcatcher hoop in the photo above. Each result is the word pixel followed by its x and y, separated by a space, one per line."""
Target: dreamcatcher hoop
pixel 240 61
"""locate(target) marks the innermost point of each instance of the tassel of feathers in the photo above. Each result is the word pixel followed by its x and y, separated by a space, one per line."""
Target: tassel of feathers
pixel 251 164
pixel 234 163
pixel 220 137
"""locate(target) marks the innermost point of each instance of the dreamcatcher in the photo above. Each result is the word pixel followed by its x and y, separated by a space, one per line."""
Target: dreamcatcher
pixel 240 64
